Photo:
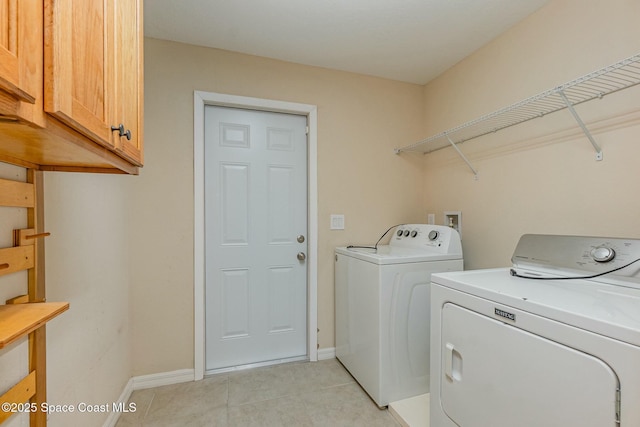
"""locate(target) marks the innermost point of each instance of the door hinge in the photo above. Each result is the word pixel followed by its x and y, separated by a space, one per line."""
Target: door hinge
pixel 306 130
pixel 618 403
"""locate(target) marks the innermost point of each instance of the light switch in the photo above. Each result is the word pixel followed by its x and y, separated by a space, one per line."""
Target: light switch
pixel 337 222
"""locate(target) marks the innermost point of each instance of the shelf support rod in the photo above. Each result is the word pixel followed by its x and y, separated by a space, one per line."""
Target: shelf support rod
pixel 581 124
pixel 453 144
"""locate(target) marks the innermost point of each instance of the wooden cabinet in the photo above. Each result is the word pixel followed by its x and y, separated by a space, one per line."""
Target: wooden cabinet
pixel 128 77
pixel 15 43
pixel 78 67
pixel 93 74
pixel 21 60
pixel 80 108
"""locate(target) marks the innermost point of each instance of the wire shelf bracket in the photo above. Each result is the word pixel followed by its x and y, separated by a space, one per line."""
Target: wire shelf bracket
pixel 595 85
pixel 575 115
pixel 461 154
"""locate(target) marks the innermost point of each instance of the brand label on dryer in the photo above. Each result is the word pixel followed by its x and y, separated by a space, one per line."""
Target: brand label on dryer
pixel 505 314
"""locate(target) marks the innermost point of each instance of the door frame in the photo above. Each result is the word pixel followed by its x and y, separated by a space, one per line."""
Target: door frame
pixel 200 100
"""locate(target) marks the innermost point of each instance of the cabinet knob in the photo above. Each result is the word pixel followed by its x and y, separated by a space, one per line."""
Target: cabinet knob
pixel 121 131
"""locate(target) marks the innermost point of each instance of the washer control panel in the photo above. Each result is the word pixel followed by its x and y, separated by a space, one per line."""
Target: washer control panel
pixel 444 239
pixel 406 233
pixel 603 254
pixel 580 255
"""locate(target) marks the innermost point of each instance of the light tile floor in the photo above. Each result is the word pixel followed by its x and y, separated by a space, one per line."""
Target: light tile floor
pixel 293 394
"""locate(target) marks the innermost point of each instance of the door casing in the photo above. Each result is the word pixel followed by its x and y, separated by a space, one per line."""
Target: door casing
pixel 210 98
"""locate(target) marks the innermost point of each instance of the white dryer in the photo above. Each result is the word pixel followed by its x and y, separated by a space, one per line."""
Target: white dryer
pixel 553 341
pixel 382 308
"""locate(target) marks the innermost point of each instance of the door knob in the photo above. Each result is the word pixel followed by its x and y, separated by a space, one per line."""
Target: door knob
pixel 301 256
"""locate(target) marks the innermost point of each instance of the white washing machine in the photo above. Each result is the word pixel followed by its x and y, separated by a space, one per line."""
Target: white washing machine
pixel 553 341
pixel 382 308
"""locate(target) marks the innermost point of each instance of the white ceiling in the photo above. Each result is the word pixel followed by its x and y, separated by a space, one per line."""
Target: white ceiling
pixel 406 40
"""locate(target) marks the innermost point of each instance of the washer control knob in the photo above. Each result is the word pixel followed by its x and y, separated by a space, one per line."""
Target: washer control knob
pixel 399 233
pixel 414 233
pixel 433 235
pixel 406 233
pixel 603 254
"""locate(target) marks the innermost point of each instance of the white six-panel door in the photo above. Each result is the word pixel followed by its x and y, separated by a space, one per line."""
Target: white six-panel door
pixel 255 233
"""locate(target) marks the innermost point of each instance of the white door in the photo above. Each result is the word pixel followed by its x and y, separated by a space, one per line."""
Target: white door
pixel 255 237
pixel 495 375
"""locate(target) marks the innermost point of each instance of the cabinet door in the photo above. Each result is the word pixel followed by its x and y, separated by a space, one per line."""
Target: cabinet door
pixel 17 43
pixel 77 65
pixel 128 87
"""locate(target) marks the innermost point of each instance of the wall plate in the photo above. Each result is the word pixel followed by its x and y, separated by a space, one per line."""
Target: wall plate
pixel 337 222
pixel 454 219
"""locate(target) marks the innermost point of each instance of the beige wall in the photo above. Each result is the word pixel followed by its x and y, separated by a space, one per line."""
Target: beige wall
pixel 539 177
pixel 87 264
pixel 360 120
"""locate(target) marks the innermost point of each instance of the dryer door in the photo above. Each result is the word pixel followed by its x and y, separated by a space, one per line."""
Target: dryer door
pixel 494 374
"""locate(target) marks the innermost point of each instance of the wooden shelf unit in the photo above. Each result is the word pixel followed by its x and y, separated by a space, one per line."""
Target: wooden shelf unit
pixel 27 314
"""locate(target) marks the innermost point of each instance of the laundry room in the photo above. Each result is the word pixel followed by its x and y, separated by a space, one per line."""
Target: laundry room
pixel 128 252
pixel 540 176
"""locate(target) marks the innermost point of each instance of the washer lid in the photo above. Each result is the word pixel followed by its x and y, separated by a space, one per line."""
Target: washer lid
pixel 607 309
pixel 386 254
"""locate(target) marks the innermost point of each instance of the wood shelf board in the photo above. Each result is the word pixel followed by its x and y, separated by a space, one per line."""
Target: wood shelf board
pixel 17 258
pixel 17 194
pixel 20 393
pixel 19 320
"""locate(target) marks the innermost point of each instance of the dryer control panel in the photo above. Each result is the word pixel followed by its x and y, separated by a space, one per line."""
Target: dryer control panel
pixel 578 255
pixel 435 237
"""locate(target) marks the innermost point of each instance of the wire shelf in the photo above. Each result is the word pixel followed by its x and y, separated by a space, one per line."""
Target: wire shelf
pixel 616 77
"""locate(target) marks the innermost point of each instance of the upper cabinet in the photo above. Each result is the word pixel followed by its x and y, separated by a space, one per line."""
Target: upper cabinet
pixel 128 105
pixel 14 46
pixel 93 70
pixel 21 60
pixel 81 107
pixel 78 71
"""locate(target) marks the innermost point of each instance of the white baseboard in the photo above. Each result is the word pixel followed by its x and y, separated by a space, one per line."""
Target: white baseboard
pixel 326 353
pixel 148 381
pixel 113 417
pixel 164 378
